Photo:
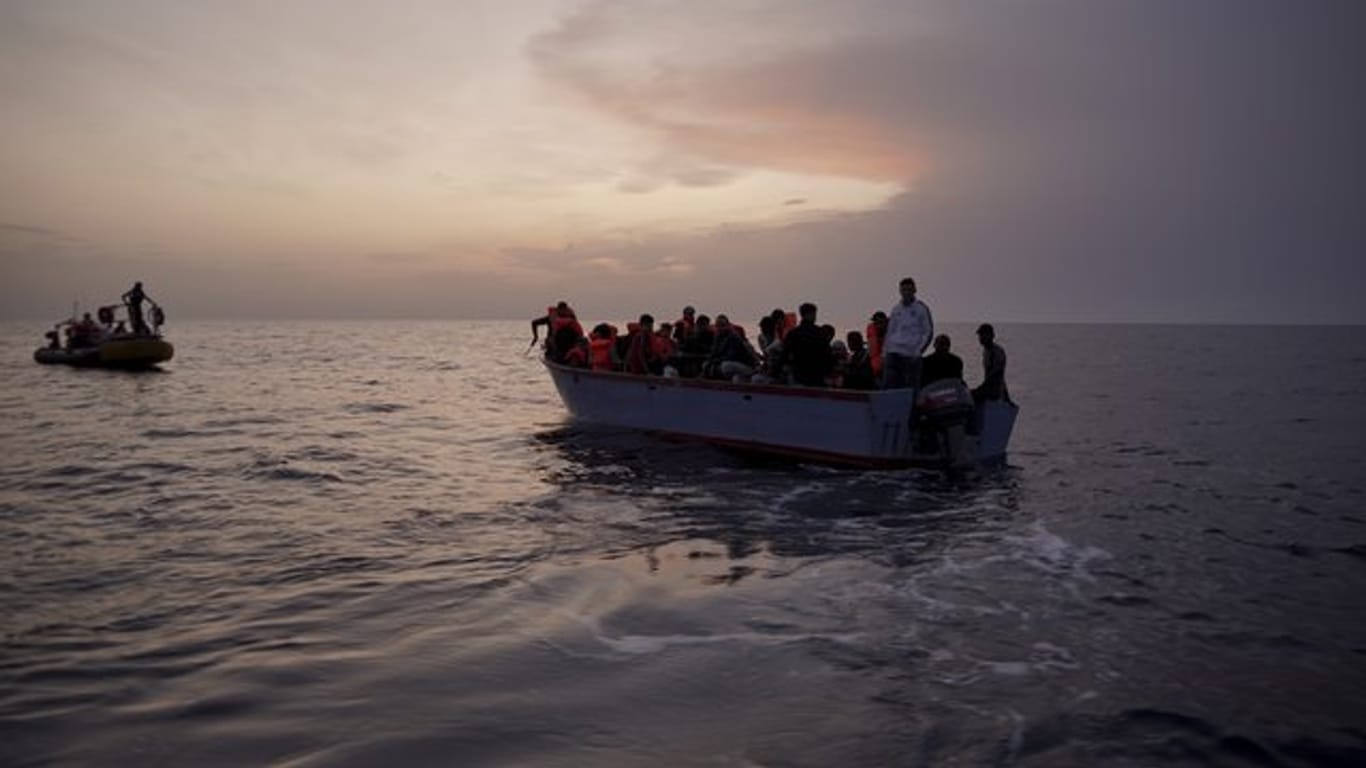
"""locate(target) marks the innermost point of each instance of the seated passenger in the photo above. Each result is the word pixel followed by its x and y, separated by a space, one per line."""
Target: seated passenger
pixel 684 325
pixel 941 363
pixel 578 356
pixel 641 358
pixel 731 356
pixel 768 332
pixel 86 333
pixel 665 347
pixel 877 333
pixel 600 343
pixel 700 341
pixel 858 371
pixel 840 352
pixel 783 322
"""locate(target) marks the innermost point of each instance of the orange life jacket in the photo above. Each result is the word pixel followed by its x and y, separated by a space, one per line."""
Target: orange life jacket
pixel 601 352
pixel 663 346
pixel 874 338
pixel 558 322
pixel 576 358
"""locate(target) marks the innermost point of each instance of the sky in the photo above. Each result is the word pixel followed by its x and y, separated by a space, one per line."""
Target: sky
pixel 1024 160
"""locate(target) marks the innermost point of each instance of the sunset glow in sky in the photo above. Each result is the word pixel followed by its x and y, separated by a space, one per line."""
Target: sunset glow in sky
pixel 1144 161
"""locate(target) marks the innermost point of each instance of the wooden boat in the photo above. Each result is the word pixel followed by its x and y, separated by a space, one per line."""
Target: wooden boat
pixel 884 428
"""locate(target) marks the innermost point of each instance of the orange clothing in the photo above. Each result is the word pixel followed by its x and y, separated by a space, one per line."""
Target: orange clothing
pixel 600 352
pixel 874 338
pixel 663 346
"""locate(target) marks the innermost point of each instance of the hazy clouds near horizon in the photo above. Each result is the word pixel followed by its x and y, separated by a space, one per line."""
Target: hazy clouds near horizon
pixel 1128 161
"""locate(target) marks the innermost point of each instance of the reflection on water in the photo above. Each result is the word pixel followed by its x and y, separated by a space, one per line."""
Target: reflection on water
pixel 751 506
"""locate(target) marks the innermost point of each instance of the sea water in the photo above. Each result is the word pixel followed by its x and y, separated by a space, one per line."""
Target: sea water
pixel 385 543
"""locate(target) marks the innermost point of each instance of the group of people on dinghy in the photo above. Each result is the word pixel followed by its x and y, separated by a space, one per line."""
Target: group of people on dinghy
pixel 790 348
pixel 92 331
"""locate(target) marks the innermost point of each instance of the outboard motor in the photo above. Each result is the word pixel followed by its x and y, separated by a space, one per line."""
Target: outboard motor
pixel 943 410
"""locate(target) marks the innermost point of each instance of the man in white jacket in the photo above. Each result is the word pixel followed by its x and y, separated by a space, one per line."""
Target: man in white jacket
pixel 910 329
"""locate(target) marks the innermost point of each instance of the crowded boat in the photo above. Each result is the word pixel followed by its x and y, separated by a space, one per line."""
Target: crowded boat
pixel 120 335
pixel 896 384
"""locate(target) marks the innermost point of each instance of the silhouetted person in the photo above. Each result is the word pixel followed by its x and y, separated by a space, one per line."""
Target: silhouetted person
pixel 910 327
pixel 941 364
pixel 993 386
pixel 133 299
pixel 858 371
pixel 806 350
pixel 641 357
pixel 563 331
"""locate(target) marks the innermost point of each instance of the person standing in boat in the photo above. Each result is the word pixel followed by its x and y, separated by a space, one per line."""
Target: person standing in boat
pixel 641 356
pixel 993 386
pixel 875 333
pixel 910 328
pixel 562 334
pixel 806 350
pixel 133 299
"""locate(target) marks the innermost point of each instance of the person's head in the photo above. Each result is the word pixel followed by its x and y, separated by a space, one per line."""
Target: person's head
pixel 766 325
pixel 839 348
pixel 703 322
pixel 879 318
pixel 647 322
pixel 986 334
pixel 807 311
pixel 689 312
pixel 86 317
pixel 907 290
pixel 778 316
pixel 138 285
pixel 602 331
pixel 829 331
pixel 854 340
pixel 665 329
pixel 722 322
pixel 562 309
pixel 941 343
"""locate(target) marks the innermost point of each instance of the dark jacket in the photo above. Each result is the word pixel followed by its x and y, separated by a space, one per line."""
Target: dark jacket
pixel 806 352
pixel 858 373
pixel 940 365
pixel 729 347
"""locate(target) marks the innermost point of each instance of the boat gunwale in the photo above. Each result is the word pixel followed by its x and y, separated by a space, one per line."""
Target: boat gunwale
pixel 781 390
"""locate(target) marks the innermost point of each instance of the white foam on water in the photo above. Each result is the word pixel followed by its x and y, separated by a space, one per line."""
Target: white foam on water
pixel 636 645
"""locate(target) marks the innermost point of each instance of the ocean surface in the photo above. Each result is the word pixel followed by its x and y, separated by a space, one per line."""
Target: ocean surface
pixel 353 544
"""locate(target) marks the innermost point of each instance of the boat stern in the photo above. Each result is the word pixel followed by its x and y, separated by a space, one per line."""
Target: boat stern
pixel 135 353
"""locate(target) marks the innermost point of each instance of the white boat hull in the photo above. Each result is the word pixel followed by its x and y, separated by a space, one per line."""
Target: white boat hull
pixel 836 426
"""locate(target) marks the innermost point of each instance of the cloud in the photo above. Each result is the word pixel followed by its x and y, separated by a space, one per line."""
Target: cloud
pixel 740 114
pixel 1145 160
pixel 25 229
pixel 675 169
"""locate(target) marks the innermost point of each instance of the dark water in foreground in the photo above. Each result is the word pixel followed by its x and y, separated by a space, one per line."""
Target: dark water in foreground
pixel 355 544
